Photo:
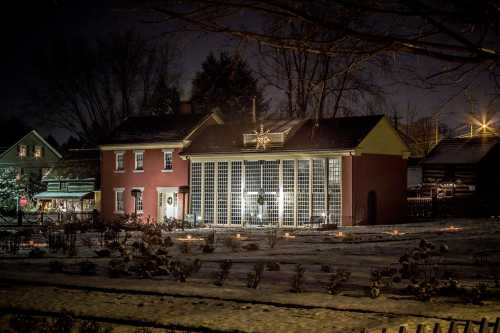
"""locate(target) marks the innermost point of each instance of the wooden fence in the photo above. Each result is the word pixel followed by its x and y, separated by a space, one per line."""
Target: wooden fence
pixel 454 327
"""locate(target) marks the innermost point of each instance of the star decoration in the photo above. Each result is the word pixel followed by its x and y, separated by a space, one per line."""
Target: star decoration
pixel 262 138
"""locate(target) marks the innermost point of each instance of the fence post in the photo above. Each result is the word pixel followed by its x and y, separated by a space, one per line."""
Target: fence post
pixel 437 328
pixel 496 328
pixel 453 328
pixel 483 327
pixel 402 329
pixel 421 328
pixel 468 327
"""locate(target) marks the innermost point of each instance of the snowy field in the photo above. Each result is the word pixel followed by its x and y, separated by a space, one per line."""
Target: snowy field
pixel 348 279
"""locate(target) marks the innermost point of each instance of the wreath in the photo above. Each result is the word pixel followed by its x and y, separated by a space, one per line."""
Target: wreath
pixel 260 198
pixel 169 200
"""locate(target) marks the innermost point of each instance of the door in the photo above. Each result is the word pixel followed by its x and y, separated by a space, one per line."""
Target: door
pixel 167 205
pixel 171 205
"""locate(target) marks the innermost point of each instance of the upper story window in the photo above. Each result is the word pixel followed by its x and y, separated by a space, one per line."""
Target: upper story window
pixel 22 151
pixel 139 160
pixel 119 165
pixel 38 152
pixel 167 160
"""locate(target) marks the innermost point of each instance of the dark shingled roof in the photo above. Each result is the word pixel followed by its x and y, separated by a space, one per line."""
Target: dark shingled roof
pixel 461 150
pixel 331 134
pixel 150 129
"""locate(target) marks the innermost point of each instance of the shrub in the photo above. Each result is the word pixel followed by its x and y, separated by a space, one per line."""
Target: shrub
pixel 252 247
pixel 56 266
pixel 185 247
pixel 254 277
pixel 21 323
pixel 87 268
pixel 337 279
pixel 207 248
pixel 37 253
pixel 272 238
pixel 232 244
pixel 222 275
pixel 298 279
pixel 273 266
pixel 90 326
pixel 326 268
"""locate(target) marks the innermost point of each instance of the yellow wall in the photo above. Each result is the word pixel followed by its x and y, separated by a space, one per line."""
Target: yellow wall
pixel 383 139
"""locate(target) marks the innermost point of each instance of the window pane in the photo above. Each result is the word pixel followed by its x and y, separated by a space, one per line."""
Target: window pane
pixel 167 165
pixel 222 192
pixel 288 192
pixel 334 191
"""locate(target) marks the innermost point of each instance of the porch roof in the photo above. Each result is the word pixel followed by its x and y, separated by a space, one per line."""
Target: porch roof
pixel 63 195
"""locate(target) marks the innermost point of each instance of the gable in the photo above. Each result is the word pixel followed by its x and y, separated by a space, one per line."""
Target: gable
pixel 383 139
pixel 32 139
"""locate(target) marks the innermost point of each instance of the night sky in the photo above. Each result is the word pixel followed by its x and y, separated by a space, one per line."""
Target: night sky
pixel 30 26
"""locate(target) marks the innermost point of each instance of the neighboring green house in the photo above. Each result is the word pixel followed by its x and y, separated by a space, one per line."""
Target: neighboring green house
pixel 31 157
pixel 72 185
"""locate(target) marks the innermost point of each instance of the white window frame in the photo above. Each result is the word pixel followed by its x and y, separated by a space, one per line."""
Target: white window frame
pixel 139 211
pixel 122 191
pixel 136 154
pixel 165 153
pixel 122 169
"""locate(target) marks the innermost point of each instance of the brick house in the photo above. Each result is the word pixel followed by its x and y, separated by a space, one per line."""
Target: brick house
pixel 291 173
pixel 141 170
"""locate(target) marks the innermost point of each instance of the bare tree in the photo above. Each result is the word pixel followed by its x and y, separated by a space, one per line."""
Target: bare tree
pixel 88 88
pixel 461 37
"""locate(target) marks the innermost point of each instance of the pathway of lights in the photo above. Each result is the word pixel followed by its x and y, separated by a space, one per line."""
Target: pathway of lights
pixel 189 238
pixel 339 234
pixel 452 228
pixel 395 232
pixel 288 236
pixel 239 237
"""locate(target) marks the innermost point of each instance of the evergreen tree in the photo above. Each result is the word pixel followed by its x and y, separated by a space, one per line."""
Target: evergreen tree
pixel 9 189
pixel 227 84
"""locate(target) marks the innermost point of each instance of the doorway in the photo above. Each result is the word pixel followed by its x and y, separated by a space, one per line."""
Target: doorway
pixel 167 205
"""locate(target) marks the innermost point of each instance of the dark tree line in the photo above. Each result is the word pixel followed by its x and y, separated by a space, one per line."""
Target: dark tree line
pixel 89 87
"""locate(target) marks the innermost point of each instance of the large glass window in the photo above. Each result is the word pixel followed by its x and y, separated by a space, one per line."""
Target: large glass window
pixel 222 197
pixel 334 191
pixel 236 192
pixel 209 188
pixel 196 183
pixel 303 192
pixel 318 188
pixel 288 192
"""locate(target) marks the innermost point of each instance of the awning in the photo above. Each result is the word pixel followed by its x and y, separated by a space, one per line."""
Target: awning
pixel 64 195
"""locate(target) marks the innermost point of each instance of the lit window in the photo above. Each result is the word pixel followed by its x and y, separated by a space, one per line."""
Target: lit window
pixel 119 206
pixel 138 202
pixel 22 151
pixel 119 161
pixel 38 152
pixel 167 160
pixel 139 160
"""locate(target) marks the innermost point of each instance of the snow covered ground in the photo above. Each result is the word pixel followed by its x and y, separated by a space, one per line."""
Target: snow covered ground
pixel 472 257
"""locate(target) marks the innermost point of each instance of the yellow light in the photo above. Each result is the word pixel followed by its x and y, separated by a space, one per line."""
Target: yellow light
pixel 188 236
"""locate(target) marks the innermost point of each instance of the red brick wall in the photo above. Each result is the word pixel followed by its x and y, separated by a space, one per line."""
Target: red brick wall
pixel 150 179
pixel 385 175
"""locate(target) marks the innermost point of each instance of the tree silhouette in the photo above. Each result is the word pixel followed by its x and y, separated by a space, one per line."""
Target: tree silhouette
pixel 226 84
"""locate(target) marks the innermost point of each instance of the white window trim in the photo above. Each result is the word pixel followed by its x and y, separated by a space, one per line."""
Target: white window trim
pixel 117 190
pixel 165 152
pixel 137 152
pixel 117 153
pixel 142 191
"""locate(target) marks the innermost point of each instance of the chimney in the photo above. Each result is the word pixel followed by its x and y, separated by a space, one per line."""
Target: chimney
pixel 185 107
